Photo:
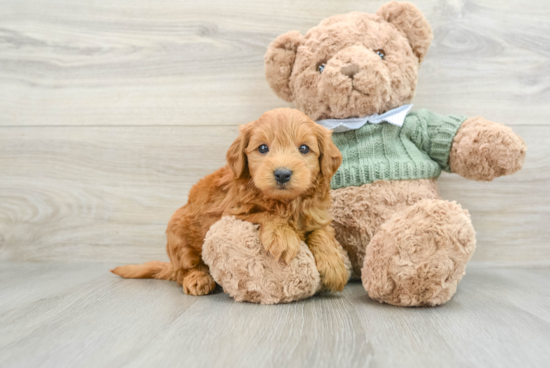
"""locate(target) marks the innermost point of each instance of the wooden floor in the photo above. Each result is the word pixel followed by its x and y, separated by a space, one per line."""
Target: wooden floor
pixel 80 315
pixel 110 110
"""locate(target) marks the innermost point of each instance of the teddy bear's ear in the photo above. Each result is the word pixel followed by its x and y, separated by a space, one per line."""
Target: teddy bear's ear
pixel 410 21
pixel 279 61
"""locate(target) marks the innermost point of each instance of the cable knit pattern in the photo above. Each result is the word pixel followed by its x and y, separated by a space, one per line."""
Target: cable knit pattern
pixel 417 150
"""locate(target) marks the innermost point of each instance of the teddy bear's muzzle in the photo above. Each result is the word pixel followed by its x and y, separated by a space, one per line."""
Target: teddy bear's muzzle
pixel 355 82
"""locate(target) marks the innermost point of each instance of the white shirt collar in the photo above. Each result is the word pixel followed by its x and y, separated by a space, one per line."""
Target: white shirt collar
pixel 395 117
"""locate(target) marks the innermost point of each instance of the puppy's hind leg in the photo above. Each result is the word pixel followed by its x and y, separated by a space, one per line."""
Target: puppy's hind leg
pixel 197 281
pixel 189 269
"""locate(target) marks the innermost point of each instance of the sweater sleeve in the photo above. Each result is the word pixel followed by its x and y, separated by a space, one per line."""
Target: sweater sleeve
pixel 438 133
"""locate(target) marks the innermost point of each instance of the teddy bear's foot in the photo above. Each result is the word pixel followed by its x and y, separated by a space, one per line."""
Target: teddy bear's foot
pixel 240 264
pixel 418 256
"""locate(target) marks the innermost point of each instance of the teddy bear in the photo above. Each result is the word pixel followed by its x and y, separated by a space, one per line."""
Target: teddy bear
pixel 356 74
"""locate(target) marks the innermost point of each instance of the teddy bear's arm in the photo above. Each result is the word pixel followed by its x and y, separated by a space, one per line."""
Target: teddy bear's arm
pixel 484 150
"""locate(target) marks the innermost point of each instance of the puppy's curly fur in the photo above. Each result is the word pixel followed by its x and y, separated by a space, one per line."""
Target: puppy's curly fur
pixel 288 212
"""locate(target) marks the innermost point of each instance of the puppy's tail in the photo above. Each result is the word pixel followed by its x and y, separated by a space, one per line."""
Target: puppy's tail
pixel 149 270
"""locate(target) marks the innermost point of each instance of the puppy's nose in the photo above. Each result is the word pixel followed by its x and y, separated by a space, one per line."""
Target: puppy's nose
pixel 282 175
pixel 350 70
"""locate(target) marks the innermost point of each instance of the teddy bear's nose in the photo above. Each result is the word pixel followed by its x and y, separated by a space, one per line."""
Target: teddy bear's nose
pixel 350 70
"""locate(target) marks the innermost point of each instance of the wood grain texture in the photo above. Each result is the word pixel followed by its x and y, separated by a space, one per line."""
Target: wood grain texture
pixel 170 62
pixel 68 315
pixel 111 110
pixel 94 192
pixel 106 193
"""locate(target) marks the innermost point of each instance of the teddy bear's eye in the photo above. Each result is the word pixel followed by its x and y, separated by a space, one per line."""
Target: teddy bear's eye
pixel 380 53
pixel 321 67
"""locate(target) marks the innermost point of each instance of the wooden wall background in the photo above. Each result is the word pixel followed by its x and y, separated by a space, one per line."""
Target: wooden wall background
pixel 111 110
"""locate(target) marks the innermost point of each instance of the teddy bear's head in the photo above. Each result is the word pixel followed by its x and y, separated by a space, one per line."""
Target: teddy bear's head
pixel 351 65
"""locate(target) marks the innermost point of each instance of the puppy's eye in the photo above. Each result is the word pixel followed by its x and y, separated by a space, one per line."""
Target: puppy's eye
pixel 321 67
pixel 263 149
pixel 304 149
pixel 380 53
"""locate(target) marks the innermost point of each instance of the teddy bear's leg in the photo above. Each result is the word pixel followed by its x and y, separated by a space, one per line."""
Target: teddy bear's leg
pixel 419 255
pixel 359 212
pixel 353 224
pixel 247 272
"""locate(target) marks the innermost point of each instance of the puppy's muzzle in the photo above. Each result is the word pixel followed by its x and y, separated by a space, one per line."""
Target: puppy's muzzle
pixel 282 175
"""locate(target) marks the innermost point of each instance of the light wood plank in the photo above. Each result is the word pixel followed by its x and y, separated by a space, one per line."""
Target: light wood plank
pixel 106 193
pixel 78 192
pixel 171 62
pixel 69 315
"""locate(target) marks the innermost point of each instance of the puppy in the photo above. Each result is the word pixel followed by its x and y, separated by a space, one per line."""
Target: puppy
pixel 277 175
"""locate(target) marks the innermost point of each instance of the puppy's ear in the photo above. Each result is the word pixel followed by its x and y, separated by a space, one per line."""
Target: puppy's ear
pixel 279 62
pixel 410 21
pixel 330 157
pixel 236 156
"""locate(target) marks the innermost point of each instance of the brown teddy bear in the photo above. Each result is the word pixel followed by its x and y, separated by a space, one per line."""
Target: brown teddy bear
pixel 356 74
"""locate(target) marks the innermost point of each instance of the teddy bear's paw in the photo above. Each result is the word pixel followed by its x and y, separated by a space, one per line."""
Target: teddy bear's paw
pixel 419 256
pixel 484 150
pixel 239 263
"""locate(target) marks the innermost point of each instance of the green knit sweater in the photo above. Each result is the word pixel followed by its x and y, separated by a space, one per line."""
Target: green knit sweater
pixel 417 150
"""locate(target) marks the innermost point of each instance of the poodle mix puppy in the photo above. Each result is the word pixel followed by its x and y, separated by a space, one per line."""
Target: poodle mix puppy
pixel 278 176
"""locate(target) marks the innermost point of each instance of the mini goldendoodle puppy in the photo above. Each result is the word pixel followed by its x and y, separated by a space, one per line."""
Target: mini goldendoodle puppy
pixel 277 175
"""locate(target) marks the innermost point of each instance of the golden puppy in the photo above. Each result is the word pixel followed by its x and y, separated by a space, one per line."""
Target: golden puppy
pixel 278 176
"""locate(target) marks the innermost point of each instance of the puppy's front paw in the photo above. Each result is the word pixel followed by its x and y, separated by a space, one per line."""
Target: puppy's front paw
pixel 333 272
pixel 283 243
